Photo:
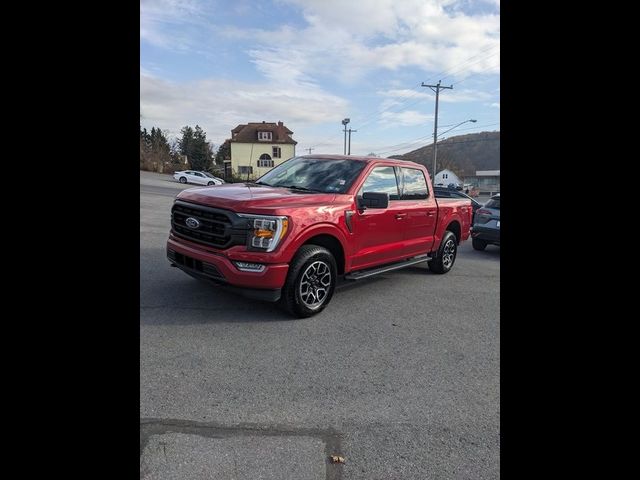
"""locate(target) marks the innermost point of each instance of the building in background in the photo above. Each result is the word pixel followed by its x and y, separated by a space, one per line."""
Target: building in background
pixel 258 147
pixel 446 177
pixel 485 181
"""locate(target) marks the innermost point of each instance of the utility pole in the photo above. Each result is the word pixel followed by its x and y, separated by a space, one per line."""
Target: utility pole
pixel 437 87
pixel 309 150
pixel 349 152
pixel 344 122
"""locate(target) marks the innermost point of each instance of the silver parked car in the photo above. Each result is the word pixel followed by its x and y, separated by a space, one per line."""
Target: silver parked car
pixel 199 178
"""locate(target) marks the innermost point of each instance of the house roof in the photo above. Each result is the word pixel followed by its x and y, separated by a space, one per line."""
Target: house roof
pixel 249 133
pixel 447 171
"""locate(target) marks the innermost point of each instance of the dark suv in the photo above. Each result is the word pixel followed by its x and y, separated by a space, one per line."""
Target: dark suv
pixel 486 226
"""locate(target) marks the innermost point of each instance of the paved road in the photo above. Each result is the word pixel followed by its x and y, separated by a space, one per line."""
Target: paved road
pixel 400 373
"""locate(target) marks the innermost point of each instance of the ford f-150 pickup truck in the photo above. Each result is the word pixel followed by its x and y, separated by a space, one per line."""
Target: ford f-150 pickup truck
pixel 289 235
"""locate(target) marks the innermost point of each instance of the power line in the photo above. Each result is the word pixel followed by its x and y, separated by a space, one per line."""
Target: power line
pixel 439 75
pixel 409 142
pixel 448 142
pixel 477 61
pixel 408 96
pixel 380 114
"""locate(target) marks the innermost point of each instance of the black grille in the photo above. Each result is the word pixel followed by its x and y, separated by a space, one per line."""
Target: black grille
pixel 199 266
pixel 218 228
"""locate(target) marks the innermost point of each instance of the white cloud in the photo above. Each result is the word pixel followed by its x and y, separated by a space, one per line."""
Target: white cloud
pixel 341 41
pixel 219 105
pixel 495 105
pixel 405 118
pixel 346 40
pixel 157 15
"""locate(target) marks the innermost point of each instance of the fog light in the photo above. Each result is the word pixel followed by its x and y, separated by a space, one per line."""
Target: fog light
pixel 250 267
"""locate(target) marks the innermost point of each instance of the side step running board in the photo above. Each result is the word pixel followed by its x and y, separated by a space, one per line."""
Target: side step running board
pixel 370 272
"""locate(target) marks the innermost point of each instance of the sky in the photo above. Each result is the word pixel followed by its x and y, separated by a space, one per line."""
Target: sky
pixel 312 63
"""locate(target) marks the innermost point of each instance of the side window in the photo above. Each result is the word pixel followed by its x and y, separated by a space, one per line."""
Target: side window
pixel 198 174
pixel 415 185
pixel 381 180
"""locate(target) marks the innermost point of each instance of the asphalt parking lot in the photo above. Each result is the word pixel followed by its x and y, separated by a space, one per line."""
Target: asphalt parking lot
pixel 399 374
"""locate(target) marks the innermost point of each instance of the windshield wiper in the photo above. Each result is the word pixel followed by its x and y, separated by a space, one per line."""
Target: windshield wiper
pixel 262 183
pixel 302 189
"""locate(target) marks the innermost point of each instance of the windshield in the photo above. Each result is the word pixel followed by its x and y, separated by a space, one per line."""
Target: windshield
pixel 208 175
pixel 314 174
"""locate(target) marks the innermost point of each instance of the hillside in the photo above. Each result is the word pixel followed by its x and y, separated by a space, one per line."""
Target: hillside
pixel 462 154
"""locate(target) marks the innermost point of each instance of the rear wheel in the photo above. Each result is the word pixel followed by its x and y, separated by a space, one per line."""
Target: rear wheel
pixel 183 179
pixel 446 255
pixel 478 244
pixel 310 282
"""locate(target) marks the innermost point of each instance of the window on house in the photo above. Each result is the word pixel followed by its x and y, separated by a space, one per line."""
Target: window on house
pixel 276 152
pixel 245 170
pixel 265 161
pixel 265 136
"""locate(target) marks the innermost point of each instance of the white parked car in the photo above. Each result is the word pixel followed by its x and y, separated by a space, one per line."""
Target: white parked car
pixel 199 178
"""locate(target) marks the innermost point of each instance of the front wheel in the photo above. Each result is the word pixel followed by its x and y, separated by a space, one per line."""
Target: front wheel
pixel 310 282
pixel 210 183
pixel 446 255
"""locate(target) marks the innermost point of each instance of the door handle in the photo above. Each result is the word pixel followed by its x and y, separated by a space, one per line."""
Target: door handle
pixel 430 214
pixel 400 216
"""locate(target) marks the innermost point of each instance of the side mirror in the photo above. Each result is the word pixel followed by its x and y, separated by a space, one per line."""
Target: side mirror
pixel 373 200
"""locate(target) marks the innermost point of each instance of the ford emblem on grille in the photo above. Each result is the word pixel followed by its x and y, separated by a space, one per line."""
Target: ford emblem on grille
pixel 192 222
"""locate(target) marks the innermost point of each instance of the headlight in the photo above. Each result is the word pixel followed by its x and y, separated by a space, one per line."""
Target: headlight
pixel 266 231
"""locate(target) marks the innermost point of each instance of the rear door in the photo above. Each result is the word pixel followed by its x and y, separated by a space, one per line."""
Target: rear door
pixel 379 232
pixel 421 211
pixel 190 176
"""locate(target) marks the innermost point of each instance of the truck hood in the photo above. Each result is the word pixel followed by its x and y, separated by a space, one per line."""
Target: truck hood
pixel 241 197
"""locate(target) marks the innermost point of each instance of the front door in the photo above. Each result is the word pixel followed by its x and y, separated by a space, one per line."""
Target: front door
pixel 199 178
pixel 379 232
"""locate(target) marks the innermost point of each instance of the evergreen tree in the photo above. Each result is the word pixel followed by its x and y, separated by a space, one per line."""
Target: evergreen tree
pixel 223 152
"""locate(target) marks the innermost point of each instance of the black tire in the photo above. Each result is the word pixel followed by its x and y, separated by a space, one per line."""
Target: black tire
pixel 183 179
pixel 293 297
pixel 478 244
pixel 210 183
pixel 446 255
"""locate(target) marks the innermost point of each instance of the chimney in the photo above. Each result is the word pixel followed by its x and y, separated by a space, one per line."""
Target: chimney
pixel 280 124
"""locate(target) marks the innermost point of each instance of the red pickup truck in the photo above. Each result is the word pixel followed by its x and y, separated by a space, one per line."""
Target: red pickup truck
pixel 289 235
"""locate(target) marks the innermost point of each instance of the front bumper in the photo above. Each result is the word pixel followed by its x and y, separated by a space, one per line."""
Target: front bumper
pixel 219 269
pixel 491 235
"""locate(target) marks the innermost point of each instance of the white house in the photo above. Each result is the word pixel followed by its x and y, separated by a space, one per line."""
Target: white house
pixel 445 177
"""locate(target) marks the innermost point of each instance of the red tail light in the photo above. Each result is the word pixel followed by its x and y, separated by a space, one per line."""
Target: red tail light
pixel 482 211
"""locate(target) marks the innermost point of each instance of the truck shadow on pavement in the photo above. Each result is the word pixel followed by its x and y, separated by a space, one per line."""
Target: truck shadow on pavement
pixel 168 296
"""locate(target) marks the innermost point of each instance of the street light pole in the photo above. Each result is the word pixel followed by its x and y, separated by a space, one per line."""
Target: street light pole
pixel 345 122
pixel 435 138
pixel 456 126
pixel 349 151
